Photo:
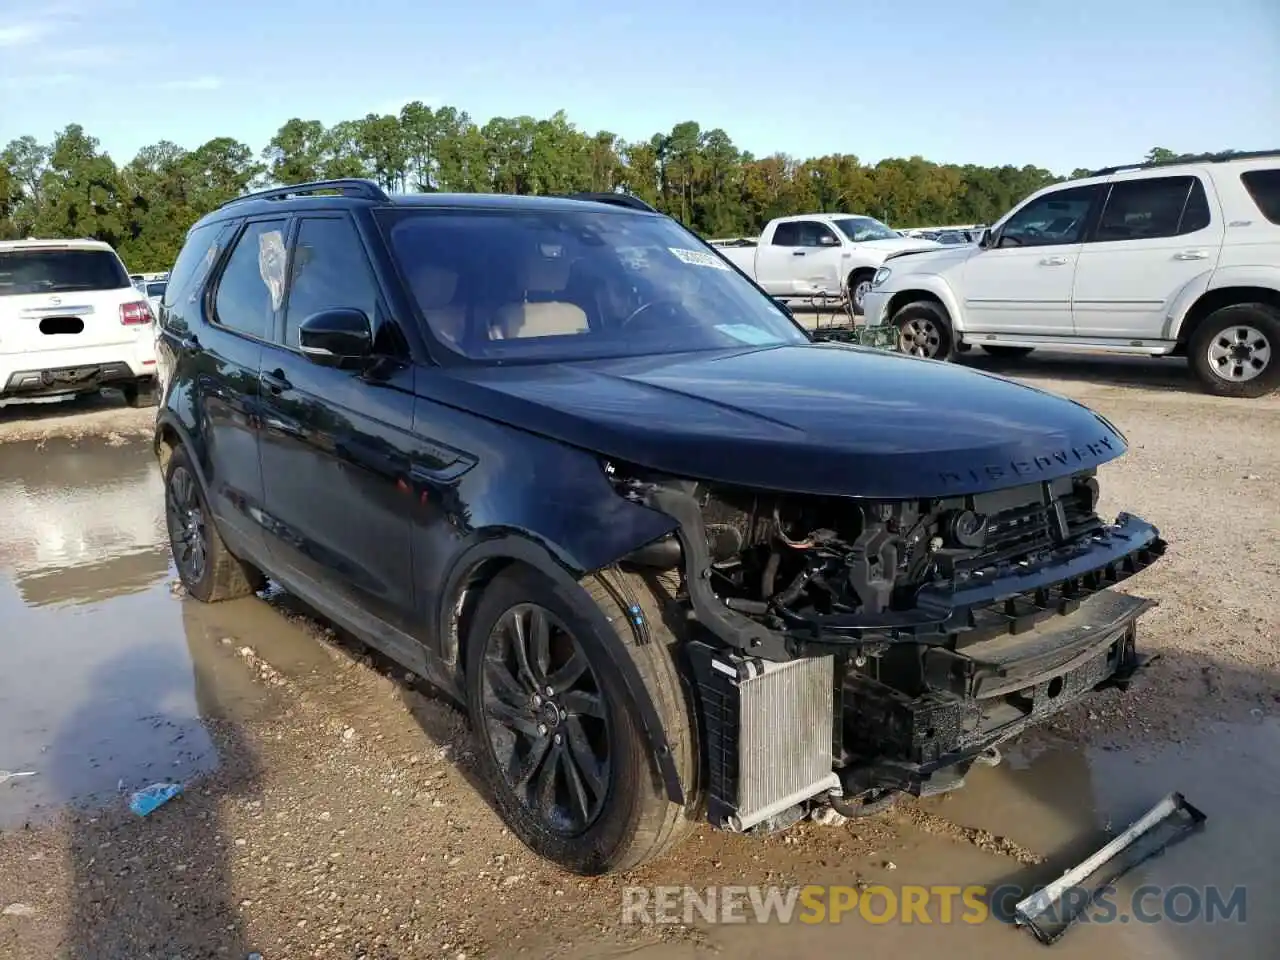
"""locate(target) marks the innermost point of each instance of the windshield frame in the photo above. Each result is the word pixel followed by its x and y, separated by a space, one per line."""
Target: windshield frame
pixel 839 224
pixel 444 353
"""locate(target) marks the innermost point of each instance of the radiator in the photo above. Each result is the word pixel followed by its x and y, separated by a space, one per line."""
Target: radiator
pixel 768 733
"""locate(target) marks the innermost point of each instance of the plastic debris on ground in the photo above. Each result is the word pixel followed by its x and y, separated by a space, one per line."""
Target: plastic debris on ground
pixel 6 775
pixel 149 798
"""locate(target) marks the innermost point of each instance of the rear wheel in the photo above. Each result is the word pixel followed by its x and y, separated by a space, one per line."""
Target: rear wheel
pixel 924 330
pixel 561 740
pixel 1007 353
pixel 206 567
pixel 1234 350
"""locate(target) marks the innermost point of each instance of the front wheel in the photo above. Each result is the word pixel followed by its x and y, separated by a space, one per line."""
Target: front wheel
pixel 1233 351
pixel 561 740
pixel 859 286
pixel 924 330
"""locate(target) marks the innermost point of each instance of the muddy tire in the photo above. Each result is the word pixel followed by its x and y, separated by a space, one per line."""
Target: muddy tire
pixel 924 330
pixel 208 570
pixel 1235 351
pixel 1007 353
pixel 560 739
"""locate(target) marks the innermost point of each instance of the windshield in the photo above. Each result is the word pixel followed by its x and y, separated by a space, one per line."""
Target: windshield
pixel 861 229
pixel 502 285
pixel 59 271
pixel 156 288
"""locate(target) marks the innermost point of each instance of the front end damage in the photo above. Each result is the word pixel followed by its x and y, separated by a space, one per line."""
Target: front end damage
pixel 845 650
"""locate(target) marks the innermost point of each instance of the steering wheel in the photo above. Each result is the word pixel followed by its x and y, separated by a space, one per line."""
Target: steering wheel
pixel 669 302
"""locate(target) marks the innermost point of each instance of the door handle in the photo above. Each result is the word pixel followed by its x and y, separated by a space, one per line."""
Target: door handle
pixel 1055 261
pixel 275 381
pixel 797 253
pixel 1191 255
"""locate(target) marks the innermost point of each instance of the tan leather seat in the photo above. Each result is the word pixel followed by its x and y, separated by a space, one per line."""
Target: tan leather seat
pixel 541 317
pixel 434 287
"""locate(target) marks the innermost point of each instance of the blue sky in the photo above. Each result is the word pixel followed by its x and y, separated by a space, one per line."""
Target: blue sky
pixel 1060 84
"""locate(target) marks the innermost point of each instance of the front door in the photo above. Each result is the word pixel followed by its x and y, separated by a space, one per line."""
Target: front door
pixel 802 258
pixel 335 442
pixel 1156 236
pixel 1022 284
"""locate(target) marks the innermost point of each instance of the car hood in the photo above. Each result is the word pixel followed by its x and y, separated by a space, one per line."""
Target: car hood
pixel 900 245
pixel 809 418
pixel 933 259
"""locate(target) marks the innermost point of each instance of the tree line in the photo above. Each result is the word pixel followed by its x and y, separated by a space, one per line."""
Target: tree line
pixel 72 188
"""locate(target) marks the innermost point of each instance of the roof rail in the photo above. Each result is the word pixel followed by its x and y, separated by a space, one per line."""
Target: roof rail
pixel 1188 158
pixel 616 199
pixel 347 187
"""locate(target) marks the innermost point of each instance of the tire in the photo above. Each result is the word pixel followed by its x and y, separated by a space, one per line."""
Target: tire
pixel 625 817
pixel 218 575
pixel 924 330
pixel 1007 353
pixel 141 393
pixel 858 285
pixel 1235 351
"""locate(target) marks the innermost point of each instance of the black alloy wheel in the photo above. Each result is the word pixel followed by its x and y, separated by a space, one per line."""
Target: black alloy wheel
pixel 546 720
pixel 188 525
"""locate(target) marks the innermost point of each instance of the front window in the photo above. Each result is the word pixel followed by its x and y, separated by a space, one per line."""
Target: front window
pixel 1057 217
pixel 862 229
pixel 59 271
pixel 499 285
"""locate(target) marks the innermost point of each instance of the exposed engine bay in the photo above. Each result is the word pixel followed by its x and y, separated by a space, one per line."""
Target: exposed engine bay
pixel 934 628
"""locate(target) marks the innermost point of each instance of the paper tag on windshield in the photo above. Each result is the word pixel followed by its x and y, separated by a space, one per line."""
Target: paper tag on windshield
pixel 698 258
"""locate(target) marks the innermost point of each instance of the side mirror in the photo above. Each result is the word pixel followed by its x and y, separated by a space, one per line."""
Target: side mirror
pixel 826 240
pixel 334 337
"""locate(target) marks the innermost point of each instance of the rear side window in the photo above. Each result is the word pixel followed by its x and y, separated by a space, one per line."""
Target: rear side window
pixel 252 285
pixel 786 234
pixel 37 270
pixel 1264 187
pixel 1151 208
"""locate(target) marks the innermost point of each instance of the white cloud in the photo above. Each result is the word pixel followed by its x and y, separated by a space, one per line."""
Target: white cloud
pixel 20 34
pixel 195 83
pixel 35 81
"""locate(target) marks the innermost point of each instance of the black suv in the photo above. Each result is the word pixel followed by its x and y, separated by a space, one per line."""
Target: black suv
pixel 679 560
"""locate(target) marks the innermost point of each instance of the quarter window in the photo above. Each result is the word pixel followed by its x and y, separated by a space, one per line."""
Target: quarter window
pixel 252 285
pixel 1154 207
pixel 329 270
pixel 1264 187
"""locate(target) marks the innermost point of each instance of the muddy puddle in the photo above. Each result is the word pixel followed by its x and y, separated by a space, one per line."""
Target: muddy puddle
pixel 1061 801
pixel 106 678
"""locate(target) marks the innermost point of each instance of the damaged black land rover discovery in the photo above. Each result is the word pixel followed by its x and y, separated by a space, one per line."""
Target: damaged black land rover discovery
pixel 679 560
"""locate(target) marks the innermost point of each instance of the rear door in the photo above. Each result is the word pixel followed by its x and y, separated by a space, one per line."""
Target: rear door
pixel 336 443
pixel 1157 235
pixel 56 298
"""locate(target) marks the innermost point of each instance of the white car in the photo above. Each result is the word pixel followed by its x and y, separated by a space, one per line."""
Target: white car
pixel 1154 259
pixel 818 255
pixel 71 322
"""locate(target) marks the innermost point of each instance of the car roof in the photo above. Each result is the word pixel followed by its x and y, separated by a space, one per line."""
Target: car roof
pixel 255 204
pixel 7 246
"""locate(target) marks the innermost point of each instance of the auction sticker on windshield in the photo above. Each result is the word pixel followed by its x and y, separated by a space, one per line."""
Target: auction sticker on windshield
pixel 698 259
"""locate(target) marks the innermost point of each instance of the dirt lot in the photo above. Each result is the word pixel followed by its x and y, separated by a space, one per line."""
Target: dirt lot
pixel 332 808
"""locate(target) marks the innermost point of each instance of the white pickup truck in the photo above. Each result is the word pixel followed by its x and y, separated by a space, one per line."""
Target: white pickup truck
pixel 818 255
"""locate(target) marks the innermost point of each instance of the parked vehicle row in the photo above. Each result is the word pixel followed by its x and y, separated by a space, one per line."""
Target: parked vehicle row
pixel 71 322
pixel 562 459
pixel 1152 259
pixel 818 254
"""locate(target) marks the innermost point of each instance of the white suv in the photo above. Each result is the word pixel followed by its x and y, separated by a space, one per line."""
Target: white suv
pixel 1157 259
pixel 71 322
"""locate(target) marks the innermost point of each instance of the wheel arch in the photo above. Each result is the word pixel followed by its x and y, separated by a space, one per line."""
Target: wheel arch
pixel 481 563
pixel 930 289
pixel 1217 298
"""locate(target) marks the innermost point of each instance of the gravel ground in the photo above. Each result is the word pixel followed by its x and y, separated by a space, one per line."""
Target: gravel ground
pixel 347 819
